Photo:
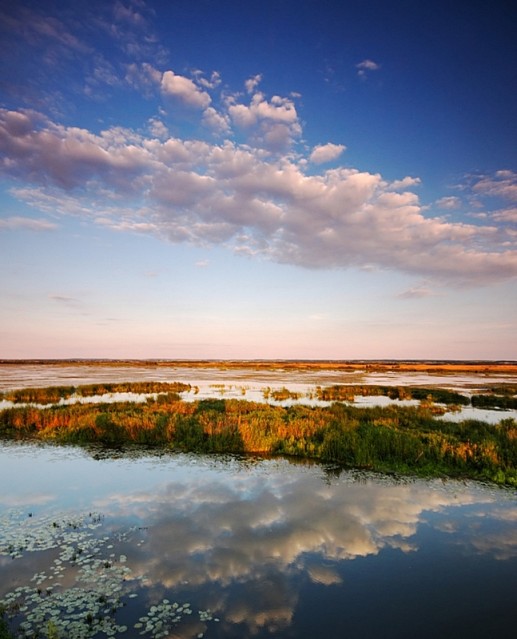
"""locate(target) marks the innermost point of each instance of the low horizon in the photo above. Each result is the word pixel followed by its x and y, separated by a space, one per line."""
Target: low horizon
pixel 153 360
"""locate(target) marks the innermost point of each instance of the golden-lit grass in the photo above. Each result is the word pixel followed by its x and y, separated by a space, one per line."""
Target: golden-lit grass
pixel 430 366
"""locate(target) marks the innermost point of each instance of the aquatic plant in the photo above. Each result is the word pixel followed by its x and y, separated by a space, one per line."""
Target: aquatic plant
pixel 99 581
pixel 395 438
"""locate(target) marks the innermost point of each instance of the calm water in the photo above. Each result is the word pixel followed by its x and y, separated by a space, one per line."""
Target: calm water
pixel 190 546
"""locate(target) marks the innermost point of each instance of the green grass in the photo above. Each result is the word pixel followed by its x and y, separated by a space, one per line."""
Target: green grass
pixel 394 438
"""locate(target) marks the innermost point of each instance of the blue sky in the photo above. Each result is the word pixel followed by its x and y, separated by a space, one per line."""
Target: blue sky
pixel 210 179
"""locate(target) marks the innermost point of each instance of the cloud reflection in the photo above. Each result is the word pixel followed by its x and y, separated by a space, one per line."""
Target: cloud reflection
pixel 255 538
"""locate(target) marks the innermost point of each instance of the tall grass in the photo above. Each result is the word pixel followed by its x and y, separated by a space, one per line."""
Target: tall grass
pixel 395 438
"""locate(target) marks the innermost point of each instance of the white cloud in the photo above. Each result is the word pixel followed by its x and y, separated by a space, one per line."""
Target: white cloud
pixel 252 83
pixel 501 184
pixel 184 89
pixel 449 203
pixel 143 77
pixel 326 152
pixel 248 199
pixel 365 66
pixel 217 122
pixel 405 183
pixel 212 83
pixel 271 124
pixel 506 215
pixel 16 223
pixel 158 128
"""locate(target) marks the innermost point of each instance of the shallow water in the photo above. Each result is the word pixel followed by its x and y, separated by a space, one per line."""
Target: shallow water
pixel 249 384
pixel 255 547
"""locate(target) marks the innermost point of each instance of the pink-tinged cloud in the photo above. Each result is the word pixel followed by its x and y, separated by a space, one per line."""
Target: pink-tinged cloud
pixel 184 90
pixel 449 203
pixel 244 197
pixel 272 124
pixel 326 152
pixel 16 223
pixel 502 184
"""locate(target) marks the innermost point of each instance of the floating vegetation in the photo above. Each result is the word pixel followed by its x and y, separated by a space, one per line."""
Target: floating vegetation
pixel 55 394
pixel 280 395
pixel 99 581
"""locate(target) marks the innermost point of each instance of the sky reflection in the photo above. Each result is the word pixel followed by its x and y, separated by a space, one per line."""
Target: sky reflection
pixel 251 539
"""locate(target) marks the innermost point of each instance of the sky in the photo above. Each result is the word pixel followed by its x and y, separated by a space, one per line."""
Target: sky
pixel 312 179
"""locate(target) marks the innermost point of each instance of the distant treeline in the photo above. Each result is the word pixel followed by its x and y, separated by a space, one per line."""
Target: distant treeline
pixel 401 439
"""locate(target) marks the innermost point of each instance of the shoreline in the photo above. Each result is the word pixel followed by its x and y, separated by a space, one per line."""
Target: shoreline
pixel 368 365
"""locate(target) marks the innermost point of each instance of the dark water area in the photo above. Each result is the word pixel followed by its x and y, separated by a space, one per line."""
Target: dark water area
pixel 177 545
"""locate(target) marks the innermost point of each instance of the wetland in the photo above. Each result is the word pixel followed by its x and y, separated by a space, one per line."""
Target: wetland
pixel 182 501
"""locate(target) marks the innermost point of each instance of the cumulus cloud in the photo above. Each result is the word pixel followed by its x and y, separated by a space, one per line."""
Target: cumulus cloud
pixel 158 128
pixel 252 83
pixel 272 124
pixel 326 152
pixel 405 183
pixel 244 197
pixel 208 83
pixel 184 90
pixel 217 122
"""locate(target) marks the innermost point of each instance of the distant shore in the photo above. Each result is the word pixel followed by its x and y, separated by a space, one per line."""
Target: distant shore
pixel 382 365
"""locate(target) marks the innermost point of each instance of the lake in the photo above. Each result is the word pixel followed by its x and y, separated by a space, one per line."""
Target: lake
pixel 100 543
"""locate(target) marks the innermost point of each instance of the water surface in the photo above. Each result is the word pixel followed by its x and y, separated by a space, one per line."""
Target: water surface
pixel 255 547
pixel 250 384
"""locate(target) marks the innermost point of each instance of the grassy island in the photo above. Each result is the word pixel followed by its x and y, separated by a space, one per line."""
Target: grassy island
pixel 402 439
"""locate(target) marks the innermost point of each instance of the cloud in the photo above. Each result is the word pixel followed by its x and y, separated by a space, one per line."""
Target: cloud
pixel 252 83
pixel 184 90
pixel 212 83
pixel 38 30
pixel 64 299
pixel 506 215
pixel 217 122
pixel 158 129
pixel 449 203
pixel 405 183
pixel 252 201
pixel 366 66
pixel 16 223
pixel 128 14
pixel 272 124
pixel 143 77
pixel 501 184
pixel 416 292
pixel 326 152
